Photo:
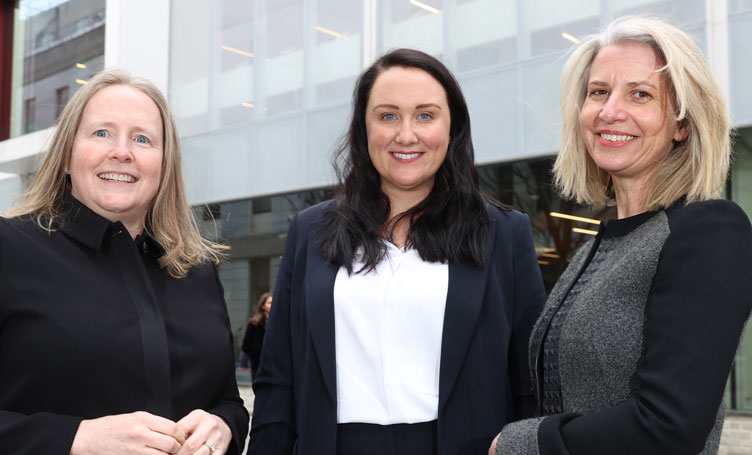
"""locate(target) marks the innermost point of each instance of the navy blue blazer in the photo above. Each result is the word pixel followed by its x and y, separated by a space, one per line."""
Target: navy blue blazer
pixel 483 381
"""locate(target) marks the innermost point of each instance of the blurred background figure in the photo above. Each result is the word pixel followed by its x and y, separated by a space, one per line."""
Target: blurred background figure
pixel 254 332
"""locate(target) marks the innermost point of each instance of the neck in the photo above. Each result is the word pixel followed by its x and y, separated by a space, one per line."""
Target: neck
pixel 400 202
pixel 630 195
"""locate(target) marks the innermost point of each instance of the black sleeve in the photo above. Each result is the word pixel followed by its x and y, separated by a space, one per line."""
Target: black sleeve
pixel 273 425
pixel 40 433
pixel 529 297
pixel 699 301
pixel 230 406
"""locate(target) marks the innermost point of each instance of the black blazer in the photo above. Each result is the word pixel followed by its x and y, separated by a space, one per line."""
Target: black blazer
pixel 91 326
pixel 484 381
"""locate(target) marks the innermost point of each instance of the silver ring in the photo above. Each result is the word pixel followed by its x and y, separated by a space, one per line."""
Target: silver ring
pixel 211 447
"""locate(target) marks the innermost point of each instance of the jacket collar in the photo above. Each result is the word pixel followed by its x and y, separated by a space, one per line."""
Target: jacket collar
pixel 467 285
pixel 85 226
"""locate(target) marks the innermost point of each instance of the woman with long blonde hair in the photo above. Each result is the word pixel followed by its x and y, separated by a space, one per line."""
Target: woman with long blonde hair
pixel 103 274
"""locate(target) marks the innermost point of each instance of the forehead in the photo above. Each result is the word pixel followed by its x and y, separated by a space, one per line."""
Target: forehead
pixel 399 85
pixel 123 104
pixel 629 61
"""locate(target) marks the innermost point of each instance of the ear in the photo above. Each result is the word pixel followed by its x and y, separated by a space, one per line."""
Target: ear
pixel 682 130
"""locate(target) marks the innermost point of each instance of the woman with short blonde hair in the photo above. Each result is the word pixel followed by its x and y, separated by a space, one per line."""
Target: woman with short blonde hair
pixel 696 167
pixel 633 349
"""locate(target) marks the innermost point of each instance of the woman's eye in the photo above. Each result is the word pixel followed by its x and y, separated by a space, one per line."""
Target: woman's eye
pixel 598 93
pixel 100 133
pixel 388 117
pixel 425 116
pixel 141 139
pixel 642 95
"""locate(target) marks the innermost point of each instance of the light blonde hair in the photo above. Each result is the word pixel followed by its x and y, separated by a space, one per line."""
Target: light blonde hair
pixel 697 166
pixel 169 218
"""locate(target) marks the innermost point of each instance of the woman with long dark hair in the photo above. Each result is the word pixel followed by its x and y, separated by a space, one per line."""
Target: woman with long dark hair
pixel 403 307
pixel 253 339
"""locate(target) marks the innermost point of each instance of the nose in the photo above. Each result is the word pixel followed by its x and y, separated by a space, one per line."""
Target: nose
pixel 122 150
pixel 613 110
pixel 406 134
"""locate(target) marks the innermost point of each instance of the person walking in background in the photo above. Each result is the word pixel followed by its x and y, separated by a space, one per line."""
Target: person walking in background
pixel 403 307
pixel 634 348
pixel 254 331
pixel 103 274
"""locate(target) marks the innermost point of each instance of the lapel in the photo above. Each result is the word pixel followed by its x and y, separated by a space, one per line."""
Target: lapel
pixel 467 284
pixel 465 294
pixel 319 302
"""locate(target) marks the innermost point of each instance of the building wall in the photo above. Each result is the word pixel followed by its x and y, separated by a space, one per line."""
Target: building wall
pixel 261 91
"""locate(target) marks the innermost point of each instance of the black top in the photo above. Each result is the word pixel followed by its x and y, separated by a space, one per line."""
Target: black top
pixel 647 342
pixel 253 340
pixel 91 326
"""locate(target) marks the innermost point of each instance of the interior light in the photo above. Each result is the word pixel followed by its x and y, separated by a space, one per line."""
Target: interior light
pixel 575 218
pixel 329 32
pixel 81 81
pixel 543 262
pixel 550 255
pixel 81 65
pixel 247 104
pixel 545 250
pixel 237 51
pixel 585 231
pixel 571 38
pixel 424 6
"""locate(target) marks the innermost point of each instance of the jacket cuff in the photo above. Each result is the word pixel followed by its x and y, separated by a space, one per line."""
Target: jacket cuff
pixel 519 438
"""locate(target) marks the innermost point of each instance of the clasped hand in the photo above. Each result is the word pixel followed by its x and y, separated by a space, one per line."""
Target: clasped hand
pixel 144 433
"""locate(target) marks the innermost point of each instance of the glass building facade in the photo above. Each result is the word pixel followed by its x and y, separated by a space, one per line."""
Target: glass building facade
pixel 261 92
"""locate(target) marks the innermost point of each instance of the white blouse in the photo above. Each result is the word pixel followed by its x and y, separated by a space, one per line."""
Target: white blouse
pixel 388 325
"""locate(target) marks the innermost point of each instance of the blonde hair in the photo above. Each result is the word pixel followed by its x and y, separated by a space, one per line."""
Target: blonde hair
pixel 697 166
pixel 169 218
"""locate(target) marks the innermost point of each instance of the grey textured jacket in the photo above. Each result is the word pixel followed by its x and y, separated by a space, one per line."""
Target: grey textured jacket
pixel 646 346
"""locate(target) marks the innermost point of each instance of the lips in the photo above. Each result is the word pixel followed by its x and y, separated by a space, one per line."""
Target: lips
pixel 616 137
pixel 117 177
pixel 406 156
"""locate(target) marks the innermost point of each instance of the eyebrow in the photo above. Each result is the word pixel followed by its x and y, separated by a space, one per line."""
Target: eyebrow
pixel 109 124
pixel 419 106
pixel 630 84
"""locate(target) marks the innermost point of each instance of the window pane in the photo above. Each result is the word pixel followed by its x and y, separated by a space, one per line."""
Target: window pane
pixel 58 45
pixel 741 193
pixel 335 59
pixel 413 24
pixel 280 76
pixel 482 33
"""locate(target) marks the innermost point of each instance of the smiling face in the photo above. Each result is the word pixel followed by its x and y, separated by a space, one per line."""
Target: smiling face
pixel 116 160
pixel 627 119
pixel 408 124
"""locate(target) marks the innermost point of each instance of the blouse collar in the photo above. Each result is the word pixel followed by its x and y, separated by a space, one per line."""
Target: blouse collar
pixel 85 226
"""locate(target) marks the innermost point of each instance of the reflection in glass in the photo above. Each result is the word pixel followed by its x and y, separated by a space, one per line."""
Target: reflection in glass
pixel 281 46
pixel 740 189
pixel 417 25
pixel 58 45
pixel 335 59
pixel 526 186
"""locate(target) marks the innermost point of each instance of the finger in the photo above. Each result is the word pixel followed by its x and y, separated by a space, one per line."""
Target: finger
pixel 492 449
pixel 190 421
pixel 166 427
pixel 163 443
pixel 205 430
